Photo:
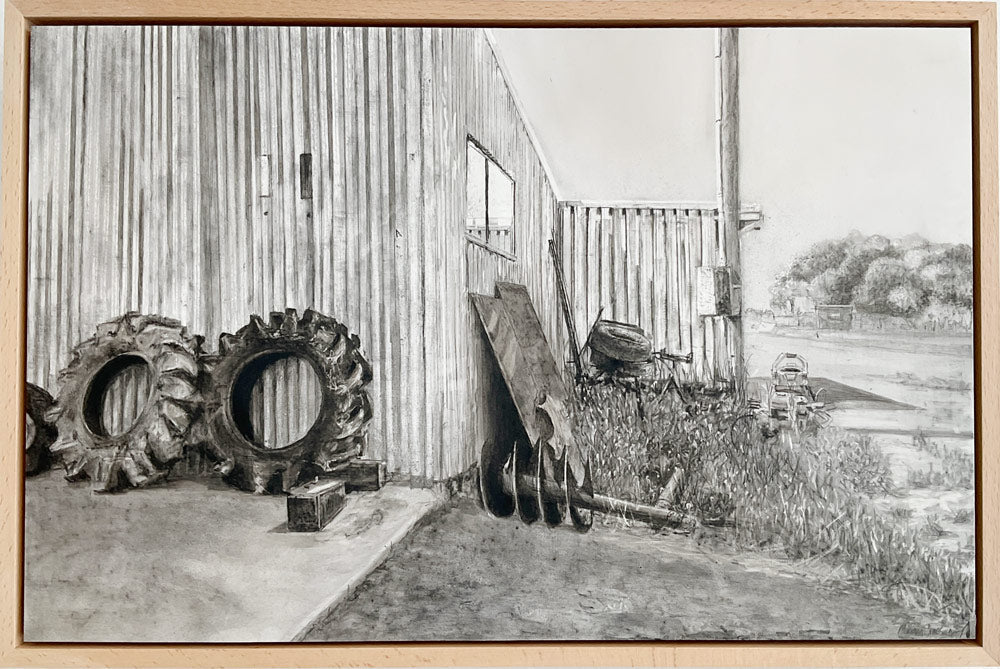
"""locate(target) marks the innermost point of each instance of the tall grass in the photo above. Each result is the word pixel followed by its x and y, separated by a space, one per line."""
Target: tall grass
pixel 807 498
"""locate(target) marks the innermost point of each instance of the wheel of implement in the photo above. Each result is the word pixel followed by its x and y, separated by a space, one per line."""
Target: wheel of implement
pixel 638 370
pixel 497 502
pixel 345 409
pixel 145 451
pixel 524 501
pixel 582 519
pixel 621 341
pixel 548 467
pixel 39 433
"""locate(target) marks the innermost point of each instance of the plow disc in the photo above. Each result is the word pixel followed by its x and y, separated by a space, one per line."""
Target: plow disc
pixel 548 466
pixel 498 502
pixel 527 506
pixel 581 516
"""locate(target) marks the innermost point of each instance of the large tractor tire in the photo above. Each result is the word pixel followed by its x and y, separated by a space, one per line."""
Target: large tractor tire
pixel 337 435
pixel 39 433
pixel 145 451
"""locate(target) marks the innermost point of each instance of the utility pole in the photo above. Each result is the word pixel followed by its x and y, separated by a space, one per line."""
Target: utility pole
pixel 727 144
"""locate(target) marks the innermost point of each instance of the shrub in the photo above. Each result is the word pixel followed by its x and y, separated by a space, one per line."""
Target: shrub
pixel 890 287
pixel 906 277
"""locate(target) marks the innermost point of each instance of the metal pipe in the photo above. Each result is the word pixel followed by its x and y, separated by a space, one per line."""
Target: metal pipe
pixel 527 485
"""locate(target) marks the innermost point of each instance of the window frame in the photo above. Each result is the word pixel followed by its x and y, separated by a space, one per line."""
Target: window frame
pixel 484 242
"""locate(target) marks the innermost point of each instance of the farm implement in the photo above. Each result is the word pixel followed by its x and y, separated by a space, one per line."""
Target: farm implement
pixel 789 404
pixel 792 401
pixel 536 470
pixel 536 484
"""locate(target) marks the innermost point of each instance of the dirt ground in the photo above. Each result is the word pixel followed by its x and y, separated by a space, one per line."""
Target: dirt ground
pixel 465 576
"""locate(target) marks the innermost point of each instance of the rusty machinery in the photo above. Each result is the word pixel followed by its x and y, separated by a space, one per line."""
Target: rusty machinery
pixel 548 481
pixel 536 469
pixel 553 480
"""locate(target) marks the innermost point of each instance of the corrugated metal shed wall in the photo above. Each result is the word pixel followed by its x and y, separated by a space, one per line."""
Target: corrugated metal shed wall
pixel 165 178
pixel 640 264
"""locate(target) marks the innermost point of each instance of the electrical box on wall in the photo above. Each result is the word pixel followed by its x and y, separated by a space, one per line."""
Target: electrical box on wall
pixel 718 291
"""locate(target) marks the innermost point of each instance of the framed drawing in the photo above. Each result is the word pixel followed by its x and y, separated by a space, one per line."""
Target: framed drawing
pixel 490 333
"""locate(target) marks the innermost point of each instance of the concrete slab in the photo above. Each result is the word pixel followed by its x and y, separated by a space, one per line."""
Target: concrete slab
pixel 194 561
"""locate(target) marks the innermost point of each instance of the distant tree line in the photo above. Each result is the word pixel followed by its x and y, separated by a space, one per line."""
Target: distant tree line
pixel 897 277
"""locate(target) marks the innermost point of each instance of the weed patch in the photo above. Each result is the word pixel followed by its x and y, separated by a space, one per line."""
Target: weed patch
pixel 804 498
pixel 955 469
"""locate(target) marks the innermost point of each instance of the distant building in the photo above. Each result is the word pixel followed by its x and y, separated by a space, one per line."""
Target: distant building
pixel 834 316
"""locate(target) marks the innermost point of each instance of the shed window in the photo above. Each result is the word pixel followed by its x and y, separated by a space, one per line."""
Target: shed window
pixel 489 209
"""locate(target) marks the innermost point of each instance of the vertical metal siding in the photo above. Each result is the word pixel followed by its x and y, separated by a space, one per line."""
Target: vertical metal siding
pixel 639 264
pixel 491 117
pixel 164 178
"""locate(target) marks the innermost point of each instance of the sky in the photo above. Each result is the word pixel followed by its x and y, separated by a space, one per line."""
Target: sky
pixel 841 128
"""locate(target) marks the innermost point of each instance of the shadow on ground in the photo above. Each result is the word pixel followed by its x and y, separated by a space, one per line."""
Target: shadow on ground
pixel 465 576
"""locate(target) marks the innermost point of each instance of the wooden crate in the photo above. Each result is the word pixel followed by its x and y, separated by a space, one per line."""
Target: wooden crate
pixel 312 506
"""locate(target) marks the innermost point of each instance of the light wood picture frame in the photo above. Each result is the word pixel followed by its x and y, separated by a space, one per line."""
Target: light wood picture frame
pixel 979 17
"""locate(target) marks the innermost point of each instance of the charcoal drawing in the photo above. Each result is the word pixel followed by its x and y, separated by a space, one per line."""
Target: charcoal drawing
pixel 433 334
